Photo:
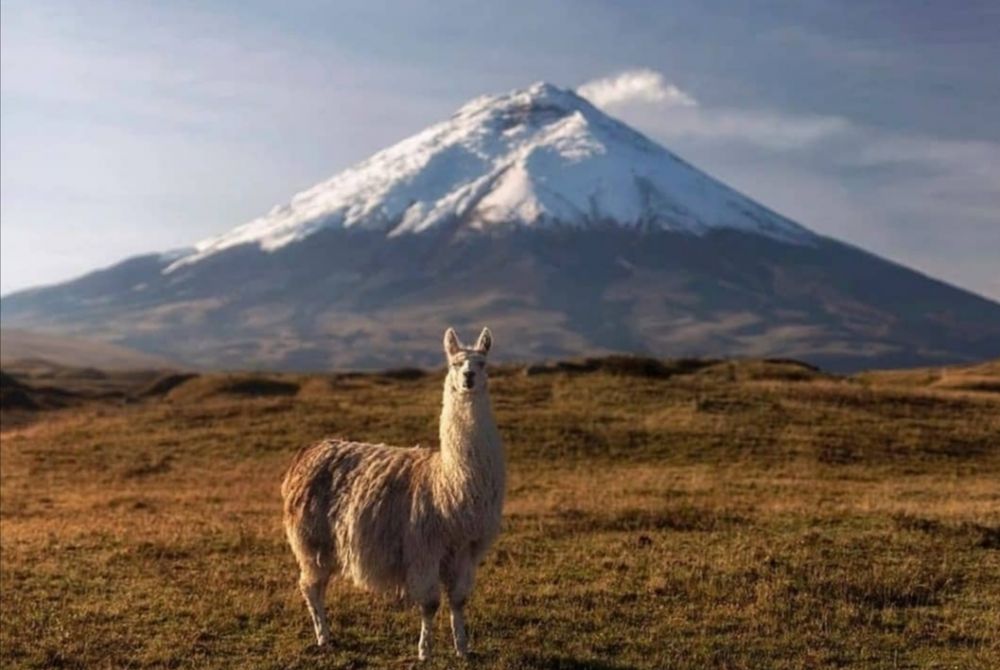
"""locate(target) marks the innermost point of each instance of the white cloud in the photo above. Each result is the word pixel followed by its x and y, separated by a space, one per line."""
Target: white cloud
pixel 645 98
pixel 646 86
pixel 765 128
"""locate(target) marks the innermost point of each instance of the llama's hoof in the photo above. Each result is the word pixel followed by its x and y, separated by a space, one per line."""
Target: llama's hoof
pixel 319 649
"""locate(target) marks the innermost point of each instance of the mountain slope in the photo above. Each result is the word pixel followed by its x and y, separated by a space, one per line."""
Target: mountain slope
pixel 540 157
pixel 563 229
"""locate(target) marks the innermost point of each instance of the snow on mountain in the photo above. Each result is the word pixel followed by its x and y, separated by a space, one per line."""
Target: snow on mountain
pixel 542 156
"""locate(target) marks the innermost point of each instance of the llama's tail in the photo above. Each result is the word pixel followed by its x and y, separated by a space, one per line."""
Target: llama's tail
pixel 305 495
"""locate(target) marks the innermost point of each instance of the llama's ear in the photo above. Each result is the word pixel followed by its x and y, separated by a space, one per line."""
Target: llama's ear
pixel 485 341
pixel 451 344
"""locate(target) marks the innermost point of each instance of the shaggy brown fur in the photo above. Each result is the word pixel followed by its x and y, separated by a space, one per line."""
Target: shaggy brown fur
pixel 362 475
pixel 403 520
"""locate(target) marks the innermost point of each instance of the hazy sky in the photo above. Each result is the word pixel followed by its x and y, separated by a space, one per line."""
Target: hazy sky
pixel 130 127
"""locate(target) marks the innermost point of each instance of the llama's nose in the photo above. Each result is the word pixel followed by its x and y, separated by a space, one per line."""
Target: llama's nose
pixel 470 378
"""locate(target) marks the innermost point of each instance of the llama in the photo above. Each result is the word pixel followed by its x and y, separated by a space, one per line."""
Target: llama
pixel 404 520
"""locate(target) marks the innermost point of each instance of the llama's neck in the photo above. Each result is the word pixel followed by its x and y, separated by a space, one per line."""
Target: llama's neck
pixel 472 456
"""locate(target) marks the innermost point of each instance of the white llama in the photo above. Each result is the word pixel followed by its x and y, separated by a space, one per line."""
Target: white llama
pixel 404 520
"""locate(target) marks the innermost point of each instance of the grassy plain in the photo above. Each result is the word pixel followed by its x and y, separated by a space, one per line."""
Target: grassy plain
pixel 676 515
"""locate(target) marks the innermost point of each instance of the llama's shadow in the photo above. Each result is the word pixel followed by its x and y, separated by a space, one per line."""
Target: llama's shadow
pixel 555 662
pixel 344 654
pixel 347 657
pixel 540 661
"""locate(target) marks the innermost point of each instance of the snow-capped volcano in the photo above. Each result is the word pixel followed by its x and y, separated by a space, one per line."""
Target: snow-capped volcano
pixel 535 213
pixel 541 156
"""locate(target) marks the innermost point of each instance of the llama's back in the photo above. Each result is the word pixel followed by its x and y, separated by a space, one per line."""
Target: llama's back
pixel 362 508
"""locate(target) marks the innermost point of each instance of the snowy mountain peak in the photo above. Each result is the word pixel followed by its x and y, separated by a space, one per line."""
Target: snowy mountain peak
pixel 539 96
pixel 536 157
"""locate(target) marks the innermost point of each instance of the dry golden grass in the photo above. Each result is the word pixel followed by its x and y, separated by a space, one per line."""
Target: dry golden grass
pixel 738 515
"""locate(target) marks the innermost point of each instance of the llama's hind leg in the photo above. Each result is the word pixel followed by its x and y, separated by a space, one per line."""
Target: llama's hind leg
pixel 316 563
pixel 313 583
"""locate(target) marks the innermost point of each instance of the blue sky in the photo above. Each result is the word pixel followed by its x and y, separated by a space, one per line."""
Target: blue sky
pixel 131 127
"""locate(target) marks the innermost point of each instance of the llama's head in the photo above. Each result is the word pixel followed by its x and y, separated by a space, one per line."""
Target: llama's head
pixel 466 365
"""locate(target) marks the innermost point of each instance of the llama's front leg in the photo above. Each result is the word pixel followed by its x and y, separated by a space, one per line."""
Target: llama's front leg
pixel 459 586
pixel 427 611
pixel 424 590
pixel 458 630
